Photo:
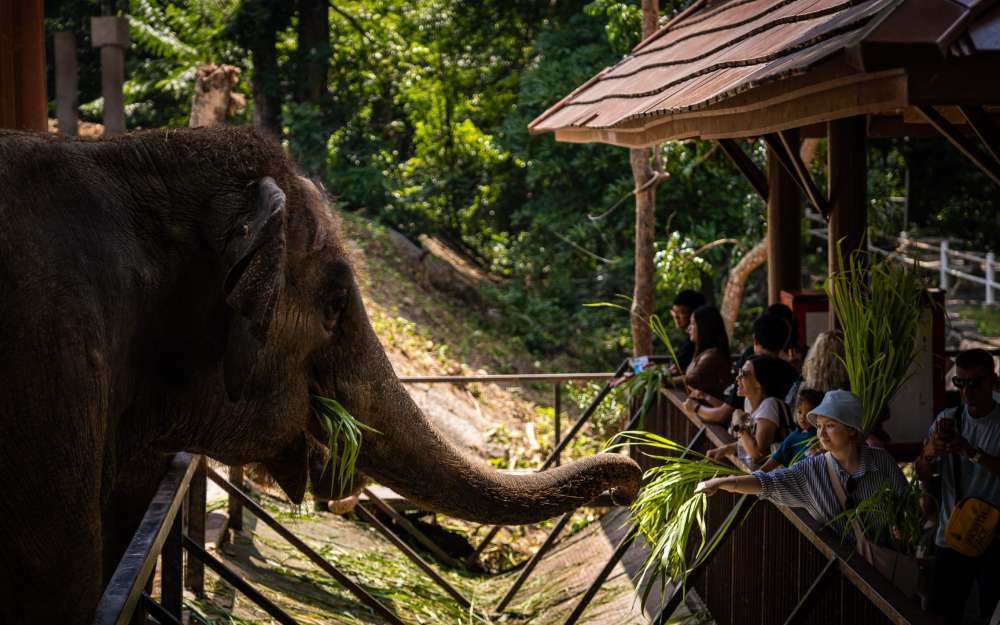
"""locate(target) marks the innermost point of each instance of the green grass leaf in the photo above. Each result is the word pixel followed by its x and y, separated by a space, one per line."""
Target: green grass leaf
pixel 878 304
pixel 344 440
pixel 667 513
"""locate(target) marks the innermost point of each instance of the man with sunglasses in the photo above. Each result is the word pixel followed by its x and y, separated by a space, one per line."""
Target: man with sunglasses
pixel 964 448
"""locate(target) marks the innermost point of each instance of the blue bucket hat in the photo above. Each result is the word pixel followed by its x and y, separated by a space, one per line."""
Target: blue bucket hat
pixel 839 405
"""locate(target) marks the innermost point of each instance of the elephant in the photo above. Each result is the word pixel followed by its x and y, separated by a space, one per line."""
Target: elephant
pixel 188 290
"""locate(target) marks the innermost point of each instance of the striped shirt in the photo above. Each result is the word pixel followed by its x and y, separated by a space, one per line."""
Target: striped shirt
pixel 806 484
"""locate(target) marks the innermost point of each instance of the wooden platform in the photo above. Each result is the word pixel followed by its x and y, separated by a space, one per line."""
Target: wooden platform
pixel 552 592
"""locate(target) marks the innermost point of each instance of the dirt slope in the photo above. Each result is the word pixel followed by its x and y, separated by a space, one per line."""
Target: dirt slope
pixel 428 331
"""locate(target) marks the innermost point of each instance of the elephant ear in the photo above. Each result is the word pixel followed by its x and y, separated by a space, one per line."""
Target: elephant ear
pixel 253 286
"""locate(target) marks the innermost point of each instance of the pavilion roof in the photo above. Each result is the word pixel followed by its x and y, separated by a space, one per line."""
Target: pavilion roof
pixel 736 68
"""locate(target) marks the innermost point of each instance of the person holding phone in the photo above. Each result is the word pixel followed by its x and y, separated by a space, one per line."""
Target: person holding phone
pixel 963 447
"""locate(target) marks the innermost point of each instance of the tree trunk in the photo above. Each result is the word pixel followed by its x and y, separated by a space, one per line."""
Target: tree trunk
pixel 645 231
pixel 732 293
pixel 258 24
pixel 313 51
pixel 645 224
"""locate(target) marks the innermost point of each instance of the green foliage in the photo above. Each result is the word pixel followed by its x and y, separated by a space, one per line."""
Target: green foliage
pixel 678 268
pixel 667 511
pixel 878 304
pixel 888 511
pixel 987 318
pixel 170 40
pixel 344 441
pixel 624 22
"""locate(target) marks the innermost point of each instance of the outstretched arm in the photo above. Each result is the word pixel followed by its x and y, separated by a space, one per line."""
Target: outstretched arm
pixel 744 484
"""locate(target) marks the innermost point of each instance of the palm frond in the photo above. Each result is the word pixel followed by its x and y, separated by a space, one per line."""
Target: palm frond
pixel 887 508
pixel 877 303
pixel 668 511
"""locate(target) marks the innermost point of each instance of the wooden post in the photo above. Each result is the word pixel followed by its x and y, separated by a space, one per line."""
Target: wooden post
pixel 67 81
pixel 847 175
pixel 110 34
pixel 194 521
pixel 988 268
pixel 784 229
pixel 235 505
pixel 23 100
pixel 943 265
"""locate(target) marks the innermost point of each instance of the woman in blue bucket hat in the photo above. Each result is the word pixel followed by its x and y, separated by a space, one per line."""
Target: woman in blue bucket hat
pixel 860 470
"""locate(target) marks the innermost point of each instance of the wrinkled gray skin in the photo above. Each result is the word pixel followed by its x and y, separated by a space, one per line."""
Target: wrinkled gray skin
pixel 186 290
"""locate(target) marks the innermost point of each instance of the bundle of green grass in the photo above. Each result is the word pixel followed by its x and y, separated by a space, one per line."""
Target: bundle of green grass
pixel 344 438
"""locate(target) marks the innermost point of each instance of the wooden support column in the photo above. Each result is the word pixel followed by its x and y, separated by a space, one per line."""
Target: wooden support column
pixel 847 176
pixel 67 81
pixel 784 228
pixel 110 34
pixel 23 100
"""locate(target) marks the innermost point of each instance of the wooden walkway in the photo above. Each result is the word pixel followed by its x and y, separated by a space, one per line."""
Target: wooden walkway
pixel 296 585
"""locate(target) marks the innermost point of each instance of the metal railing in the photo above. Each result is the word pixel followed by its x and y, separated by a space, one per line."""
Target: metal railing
pixel 162 537
pixel 941 257
pixel 175 522
pixel 739 582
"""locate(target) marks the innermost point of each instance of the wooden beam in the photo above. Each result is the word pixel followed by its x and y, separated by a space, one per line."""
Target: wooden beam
pixel 989 166
pixel 784 226
pixel 847 164
pixel 984 127
pixel 785 143
pixel 747 167
pixel 23 100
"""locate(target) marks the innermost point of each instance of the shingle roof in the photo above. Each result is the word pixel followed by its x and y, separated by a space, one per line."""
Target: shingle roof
pixel 719 50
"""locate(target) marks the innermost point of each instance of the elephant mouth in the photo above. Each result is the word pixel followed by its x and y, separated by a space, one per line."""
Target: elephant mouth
pixel 333 443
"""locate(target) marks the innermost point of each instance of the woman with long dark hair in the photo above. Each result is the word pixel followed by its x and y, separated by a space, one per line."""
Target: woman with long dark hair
pixel 710 370
pixel 766 418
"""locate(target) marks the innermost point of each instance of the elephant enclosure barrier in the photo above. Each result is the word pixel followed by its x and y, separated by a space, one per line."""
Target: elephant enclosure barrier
pixel 175 522
pixel 776 566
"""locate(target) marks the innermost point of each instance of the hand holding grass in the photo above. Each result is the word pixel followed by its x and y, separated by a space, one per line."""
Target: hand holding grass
pixel 742 484
pixel 707 488
pixel 719 453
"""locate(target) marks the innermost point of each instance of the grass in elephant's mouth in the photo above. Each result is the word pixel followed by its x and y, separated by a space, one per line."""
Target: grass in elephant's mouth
pixel 344 441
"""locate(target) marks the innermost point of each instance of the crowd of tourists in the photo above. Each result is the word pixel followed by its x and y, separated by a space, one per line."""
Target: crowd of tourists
pixel 797 429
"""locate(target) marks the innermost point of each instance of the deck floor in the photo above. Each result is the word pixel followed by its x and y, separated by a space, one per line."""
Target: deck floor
pixel 308 595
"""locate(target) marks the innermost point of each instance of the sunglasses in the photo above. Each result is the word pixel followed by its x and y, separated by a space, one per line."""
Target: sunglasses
pixel 742 374
pixel 969 383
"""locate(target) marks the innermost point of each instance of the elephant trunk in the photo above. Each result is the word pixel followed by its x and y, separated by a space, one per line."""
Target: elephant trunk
pixel 411 457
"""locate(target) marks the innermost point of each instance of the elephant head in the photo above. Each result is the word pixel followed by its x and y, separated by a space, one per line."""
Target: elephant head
pixel 296 326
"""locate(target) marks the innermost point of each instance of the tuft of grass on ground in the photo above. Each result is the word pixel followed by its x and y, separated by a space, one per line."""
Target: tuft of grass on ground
pixel 987 318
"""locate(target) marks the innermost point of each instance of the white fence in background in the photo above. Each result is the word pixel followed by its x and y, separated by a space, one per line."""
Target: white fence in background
pixel 937 255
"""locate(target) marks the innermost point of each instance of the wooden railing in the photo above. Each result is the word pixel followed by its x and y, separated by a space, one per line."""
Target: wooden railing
pixel 779 565
pixel 175 522
pixel 776 566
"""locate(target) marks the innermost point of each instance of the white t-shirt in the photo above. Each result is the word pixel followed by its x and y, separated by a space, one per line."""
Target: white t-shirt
pixel 769 410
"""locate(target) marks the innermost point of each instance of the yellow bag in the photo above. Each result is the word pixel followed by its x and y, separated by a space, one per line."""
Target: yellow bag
pixel 972 526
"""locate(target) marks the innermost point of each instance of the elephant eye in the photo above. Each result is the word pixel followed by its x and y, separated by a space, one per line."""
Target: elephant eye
pixel 333 305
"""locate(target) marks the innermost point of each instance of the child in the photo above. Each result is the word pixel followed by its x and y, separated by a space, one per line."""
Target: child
pixel 797 444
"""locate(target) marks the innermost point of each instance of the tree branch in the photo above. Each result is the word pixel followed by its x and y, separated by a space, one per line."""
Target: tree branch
pixel 352 20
